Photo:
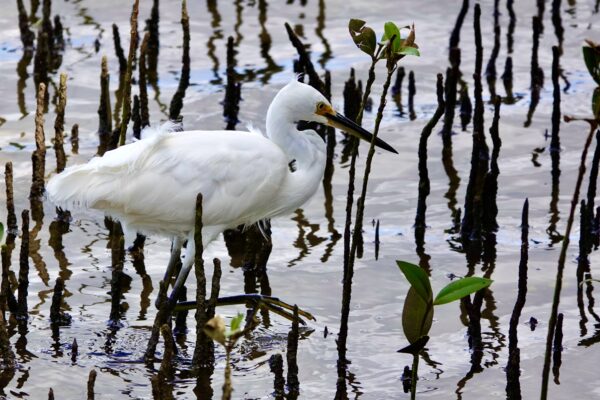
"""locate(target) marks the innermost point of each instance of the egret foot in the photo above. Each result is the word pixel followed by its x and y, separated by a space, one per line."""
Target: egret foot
pixel 257 300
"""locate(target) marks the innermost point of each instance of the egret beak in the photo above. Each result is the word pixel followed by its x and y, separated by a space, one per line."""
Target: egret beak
pixel 337 120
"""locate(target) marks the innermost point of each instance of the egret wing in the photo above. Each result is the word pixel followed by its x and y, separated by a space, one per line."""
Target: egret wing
pixel 152 185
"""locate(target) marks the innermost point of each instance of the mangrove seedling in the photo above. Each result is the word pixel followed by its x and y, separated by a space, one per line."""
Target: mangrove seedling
pixel 417 314
pixel 215 328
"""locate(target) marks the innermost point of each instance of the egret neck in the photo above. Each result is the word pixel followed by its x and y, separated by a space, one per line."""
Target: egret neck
pixel 304 149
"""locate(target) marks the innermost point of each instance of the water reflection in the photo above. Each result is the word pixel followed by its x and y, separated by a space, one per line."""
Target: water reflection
pixel 217 34
pixel 305 240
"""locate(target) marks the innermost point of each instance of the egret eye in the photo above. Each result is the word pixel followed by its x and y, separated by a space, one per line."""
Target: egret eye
pixel 320 106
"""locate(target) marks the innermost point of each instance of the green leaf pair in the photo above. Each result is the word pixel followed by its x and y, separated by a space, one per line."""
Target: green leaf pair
pixel 417 315
pixel 365 39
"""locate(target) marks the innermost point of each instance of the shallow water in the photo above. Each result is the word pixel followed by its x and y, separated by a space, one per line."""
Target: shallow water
pixel 301 242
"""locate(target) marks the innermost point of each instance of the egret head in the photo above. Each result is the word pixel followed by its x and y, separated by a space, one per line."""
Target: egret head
pixel 305 103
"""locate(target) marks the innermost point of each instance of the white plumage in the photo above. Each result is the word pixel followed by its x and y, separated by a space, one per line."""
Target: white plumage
pixel 151 185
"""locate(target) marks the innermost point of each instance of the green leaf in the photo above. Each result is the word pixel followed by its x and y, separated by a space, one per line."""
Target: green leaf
pixel 416 347
pixel 236 323
pixel 591 56
pixel 417 316
pixel 418 279
pixel 596 103
pixel 409 51
pixel 363 36
pixel 391 30
pixel 461 288
pixel 1 231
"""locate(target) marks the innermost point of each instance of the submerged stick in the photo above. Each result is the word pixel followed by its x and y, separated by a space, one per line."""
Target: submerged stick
pixel 313 78
pixel 232 99
pixel 455 36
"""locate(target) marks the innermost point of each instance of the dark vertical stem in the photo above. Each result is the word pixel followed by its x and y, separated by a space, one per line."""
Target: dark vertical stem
pixel 562 257
pixel 204 351
pixel 507 79
pixel 455 36
pixel 118 277
pixel 511 25
pixel 90 384
pixel 466 107
pixel 478 45
pixel 143 82
pixel 424 188
pixel 513 371
pixel 232 99
pixel 75 139
pixel 104 109
pixel 7 297
pixel 276 366
pixel 490 70
pixel 412 90
pixel 128 74
pixel 58 317
pixel 397 89
pixel 74 350
pixel 490 189
pixel 557 22
pixel 136 117
pixel 59 125
pixel 555 237
pixel 153 42
pixel 313 78
pixel 293 384
pixel 377 240
pixel 166 365
pixel 537 74
pixel 38 158
pixel 184 80
pixel 27 36
pixel 591 194
pixel 119 50
pixel 557 349
pixel 450 92
pixel 23 268
pixel 11 217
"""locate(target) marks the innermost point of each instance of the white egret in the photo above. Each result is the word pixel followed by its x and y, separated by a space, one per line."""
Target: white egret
pixel 151 185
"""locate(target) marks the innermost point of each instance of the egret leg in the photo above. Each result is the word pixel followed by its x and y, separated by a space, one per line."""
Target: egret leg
pixel 258 300
pixel 173 261
pixel 186 267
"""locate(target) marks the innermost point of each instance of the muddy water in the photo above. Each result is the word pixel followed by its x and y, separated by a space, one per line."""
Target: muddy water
pixel 306 263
